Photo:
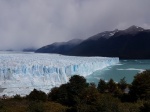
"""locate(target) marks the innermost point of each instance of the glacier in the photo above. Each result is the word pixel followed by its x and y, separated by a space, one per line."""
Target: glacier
pixel 20 73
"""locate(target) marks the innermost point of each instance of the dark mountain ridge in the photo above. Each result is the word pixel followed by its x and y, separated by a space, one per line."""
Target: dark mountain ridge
pixel 131 43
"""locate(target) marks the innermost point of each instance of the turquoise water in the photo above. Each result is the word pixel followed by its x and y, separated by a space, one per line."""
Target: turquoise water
pixel 126 68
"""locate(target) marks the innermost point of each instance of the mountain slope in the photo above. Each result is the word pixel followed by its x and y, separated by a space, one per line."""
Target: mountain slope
pixel 131 43
pixel 59 47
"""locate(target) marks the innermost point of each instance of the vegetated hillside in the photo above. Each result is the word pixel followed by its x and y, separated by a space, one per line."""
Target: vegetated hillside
pixel 132 43
pixel 59 47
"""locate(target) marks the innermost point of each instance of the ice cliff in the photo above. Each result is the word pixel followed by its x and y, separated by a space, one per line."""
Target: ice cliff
pixel 20 73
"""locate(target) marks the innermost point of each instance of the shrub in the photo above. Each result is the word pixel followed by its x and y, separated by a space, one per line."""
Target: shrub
pixel 77 84
pixel 17 97
pixel 140 88
pixel 53 95
pixel 102 86
pixel 36 95
pixel 54 107
pixel 2 107
pixel 145 107
pixel 122 84
pixel 112 86
pixel 67 94
pixel 88 100
pixel 35 107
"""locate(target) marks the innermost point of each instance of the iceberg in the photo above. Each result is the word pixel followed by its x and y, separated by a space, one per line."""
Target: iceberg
pixel 20 73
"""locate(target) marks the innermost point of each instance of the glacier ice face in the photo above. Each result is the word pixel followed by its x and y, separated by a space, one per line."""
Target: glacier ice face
pixel 20 73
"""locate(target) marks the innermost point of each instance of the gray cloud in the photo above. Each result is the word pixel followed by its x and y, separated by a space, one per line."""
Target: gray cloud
pixel 34 23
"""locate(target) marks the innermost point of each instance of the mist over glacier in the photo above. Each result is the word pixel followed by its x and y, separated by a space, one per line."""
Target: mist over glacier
pixel 20 73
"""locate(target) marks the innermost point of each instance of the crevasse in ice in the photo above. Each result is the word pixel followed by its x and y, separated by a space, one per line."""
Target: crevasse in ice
pixel 20 73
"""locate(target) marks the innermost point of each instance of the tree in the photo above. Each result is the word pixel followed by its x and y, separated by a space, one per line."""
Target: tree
pixel 87 100
pixel 77 84
pixel 140 88
pixel 76 79
pixel 68 94
pixel 102 86
pixel 122 84
pixel 90 95
pixel 112 86
pixel 18 97
pixel 107 103
pixel 53 95
pixel 63 95
pixel 36 95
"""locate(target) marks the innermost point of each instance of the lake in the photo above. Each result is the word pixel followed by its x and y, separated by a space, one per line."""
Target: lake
pixel 126 68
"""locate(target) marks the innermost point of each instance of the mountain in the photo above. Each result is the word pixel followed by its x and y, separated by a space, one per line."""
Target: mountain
pixel 29 50
pixel 59 47
pixel 21 50
pixel 131 43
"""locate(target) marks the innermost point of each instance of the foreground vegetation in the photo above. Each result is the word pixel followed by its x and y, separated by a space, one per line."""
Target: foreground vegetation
pixel 79 96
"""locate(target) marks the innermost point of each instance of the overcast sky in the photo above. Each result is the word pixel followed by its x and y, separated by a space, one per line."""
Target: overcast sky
pixel 35 23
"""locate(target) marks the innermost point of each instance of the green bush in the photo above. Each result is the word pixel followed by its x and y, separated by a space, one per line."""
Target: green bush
pixel 122 84
pixel 112 86
pixel 67 94
pixel 145 107
pixel 140 88
pixel 36 95
pixel 53 95
pixel 77 84
pixel 88 100
pixel 17 97
pixel 35 107
pixel 102 86
pixel 2 109
pixel 54 107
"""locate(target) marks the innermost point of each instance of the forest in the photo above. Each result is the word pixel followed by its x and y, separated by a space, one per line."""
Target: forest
pixel 79 96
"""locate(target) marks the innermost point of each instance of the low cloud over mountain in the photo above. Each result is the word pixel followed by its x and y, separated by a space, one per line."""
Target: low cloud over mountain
pixel 131 43
pixel 35 23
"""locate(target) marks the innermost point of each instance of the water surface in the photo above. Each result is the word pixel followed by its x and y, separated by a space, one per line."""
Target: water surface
pixel 126 68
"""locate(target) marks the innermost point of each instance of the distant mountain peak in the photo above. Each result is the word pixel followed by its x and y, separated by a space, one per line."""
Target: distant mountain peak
pixel 134 29
pixel 116 30
pixel 105 34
